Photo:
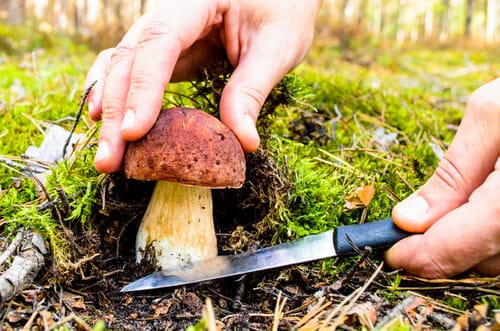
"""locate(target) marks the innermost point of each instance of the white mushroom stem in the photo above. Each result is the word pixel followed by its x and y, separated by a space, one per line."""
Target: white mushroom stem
pixel 178 225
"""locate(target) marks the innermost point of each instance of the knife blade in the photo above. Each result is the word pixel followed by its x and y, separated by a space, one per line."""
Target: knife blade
pixel 339 242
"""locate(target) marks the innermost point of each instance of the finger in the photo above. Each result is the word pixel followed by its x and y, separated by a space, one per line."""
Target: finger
pixel 200 55
pixel 111 144
pixel 468 161
pixel 489 267
pixel 460 240
pixel 257 71
pixel 159 46
pixel 96 75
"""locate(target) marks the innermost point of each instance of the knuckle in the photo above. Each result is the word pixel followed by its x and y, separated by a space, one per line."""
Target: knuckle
pixel 122 52
pixel 157 29
pixel 487 195
pixel 485 103
pixel 142 81
pixel 430 265
pixel 112 109
pixel 434 269
pixel 105 54
pixel 254 94
pixel 449 177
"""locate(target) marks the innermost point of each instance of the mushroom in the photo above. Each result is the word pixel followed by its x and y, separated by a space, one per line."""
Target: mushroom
pixel 188 152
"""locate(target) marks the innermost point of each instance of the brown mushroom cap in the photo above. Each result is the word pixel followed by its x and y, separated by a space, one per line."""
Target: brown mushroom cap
pixel 187 146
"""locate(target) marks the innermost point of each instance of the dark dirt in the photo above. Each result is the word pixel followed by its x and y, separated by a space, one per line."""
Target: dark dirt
pixel 106 263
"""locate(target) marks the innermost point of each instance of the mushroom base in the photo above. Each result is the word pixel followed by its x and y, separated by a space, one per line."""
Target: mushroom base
pixel 178 225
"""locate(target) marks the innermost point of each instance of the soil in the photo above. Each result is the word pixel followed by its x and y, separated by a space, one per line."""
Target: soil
pixel 91 291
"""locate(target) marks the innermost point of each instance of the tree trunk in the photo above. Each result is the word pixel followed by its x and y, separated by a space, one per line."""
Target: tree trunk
pixel 429 19
pixel 143 6
pixel 491 20
pixel 16 10
pixel 362 12
pixel 444 20
pixel 468 17
pixel 400 22
pixel 377 19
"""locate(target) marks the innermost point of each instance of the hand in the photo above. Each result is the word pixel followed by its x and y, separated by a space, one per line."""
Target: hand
pixel 459 206
pixel 262 39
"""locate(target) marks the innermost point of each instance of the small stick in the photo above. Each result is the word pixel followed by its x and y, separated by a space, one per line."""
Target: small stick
pixel 78 116
pixel 13 246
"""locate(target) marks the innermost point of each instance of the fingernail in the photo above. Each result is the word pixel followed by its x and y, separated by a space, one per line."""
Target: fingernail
pixel 128 120
pixel 249 121
pixel 102 152
pixel 91 107
pixel 413 208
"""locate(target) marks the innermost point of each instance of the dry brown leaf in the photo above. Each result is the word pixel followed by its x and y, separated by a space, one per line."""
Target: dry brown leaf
pixel 163 308
pixel 74 300
pixel 48 320
pixel 366 313
pixel 496 323
pixel 360 197
pixel 463 321
pixel 482 310
pixel 15 317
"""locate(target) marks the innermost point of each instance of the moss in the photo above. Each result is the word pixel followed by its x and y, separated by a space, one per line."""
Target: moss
pixel 319 127
pixel 39 86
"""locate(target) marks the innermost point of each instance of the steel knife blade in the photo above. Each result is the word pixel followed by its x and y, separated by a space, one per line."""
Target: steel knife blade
pixel 339 242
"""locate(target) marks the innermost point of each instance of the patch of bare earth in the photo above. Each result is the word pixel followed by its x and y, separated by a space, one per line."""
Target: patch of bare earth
pixel 300 297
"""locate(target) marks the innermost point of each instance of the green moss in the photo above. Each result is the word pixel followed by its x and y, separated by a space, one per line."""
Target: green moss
pixel 325 173
pixel 40 85
pixel 318 125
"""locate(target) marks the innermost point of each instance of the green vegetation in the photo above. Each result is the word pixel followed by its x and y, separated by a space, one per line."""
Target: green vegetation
pixel 40 84
pixel 337 128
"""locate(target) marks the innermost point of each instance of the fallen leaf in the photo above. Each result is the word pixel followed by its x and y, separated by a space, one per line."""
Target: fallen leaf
pixel 162 308
pixel 48 320
pixel 384 140
pixel 496 323
pixel 15 317
pixel 360 197
pixel 482 310
pixel 366 313
pixel 74 300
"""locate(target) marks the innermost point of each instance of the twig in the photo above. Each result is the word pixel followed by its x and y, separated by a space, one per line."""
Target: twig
pixel 410 301
pixel 313 314
pixel 353 298
pixel 209 316
pixel 345 164
pixel 392 195
pixel 78 116
pixel 69 318
pixel 365 256
pixel 124 227
pixel 29 324
pixel 408 185
pixel 24 267
pixel 278 311
pixel 13 246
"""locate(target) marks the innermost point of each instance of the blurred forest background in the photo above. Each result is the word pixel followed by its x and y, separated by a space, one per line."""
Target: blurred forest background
pixel 374 106
pixel 103 22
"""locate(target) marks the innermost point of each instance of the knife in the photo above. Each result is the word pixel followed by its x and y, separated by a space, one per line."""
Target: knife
pixel 339 242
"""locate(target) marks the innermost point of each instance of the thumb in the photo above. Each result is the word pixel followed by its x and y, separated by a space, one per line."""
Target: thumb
pixel 465 166
pixel 253 78
pixel 240 104
pixel 243 97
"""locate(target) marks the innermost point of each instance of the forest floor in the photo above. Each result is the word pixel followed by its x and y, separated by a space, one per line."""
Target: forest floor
pixel 354 130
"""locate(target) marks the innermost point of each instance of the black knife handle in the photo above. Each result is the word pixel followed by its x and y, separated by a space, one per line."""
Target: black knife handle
pixel 378 235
